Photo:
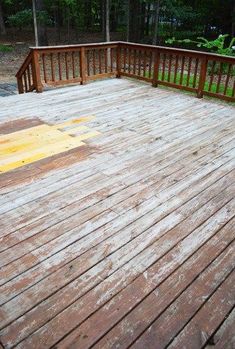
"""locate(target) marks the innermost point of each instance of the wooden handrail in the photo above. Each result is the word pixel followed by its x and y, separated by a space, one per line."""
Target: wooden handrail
pixel 201 72
pixel 24 64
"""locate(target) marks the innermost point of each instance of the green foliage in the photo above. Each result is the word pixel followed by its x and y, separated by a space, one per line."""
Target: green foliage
pixel 21 19
pixel 5 48
pixel 217 45
pixel 24 18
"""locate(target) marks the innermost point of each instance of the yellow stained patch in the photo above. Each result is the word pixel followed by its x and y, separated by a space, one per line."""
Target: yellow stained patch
pixel 36 143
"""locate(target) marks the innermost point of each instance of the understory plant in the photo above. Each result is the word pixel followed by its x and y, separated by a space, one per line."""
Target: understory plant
pixel 216 46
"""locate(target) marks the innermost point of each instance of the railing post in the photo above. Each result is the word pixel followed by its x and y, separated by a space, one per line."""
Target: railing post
pixel 202 77
pixel 156 68
pixel 118 74
pixel 36 71
pixel 20 85
pixel 83 66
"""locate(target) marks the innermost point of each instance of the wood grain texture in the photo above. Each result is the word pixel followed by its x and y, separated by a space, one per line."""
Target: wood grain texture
pixel 100 246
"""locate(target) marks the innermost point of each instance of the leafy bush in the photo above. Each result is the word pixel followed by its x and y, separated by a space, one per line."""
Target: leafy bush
pixel 24 18
pixel 5 48
pixel 21 19
pixel 216 46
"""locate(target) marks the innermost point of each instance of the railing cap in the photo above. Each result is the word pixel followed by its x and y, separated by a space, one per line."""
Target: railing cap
pixel 74 46
pixel 162 48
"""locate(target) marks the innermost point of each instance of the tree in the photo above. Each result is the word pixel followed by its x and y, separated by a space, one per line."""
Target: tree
pixel 156 21
pixel 42 28
pixel 106 19
pixel 135 22
pixel 2 23
pixel 35 23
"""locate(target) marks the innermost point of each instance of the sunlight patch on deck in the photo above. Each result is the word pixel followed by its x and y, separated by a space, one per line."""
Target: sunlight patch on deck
pixel 26 146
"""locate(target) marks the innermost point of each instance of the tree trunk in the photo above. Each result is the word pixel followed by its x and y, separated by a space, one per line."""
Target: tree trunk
pixel 42 29
pixel 156 21
pixel 35 23
pixel 233 22
pixel 148 18
pixel 57 22
pixel 88 15
pixel 2 24
pixel 128 20
pixel 135 16
pixel 107 20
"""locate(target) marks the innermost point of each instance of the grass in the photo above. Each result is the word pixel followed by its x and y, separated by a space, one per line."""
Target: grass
pixel 6 48
pixel 191 83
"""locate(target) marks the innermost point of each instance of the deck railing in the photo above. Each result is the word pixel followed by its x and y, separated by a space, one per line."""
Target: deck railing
pixel 194 71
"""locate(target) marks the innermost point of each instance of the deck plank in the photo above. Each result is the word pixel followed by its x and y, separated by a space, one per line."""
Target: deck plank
pixel 100 245
pixel 224 337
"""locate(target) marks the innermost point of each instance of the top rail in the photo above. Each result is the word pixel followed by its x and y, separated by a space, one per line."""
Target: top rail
pixel 201 72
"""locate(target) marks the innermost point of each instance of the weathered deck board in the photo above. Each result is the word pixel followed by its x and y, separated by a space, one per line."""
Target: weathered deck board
pixel 99 247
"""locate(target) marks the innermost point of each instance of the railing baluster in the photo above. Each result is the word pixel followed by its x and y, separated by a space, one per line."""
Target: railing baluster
pixel 182 70
pixel 212 76
pixel 59 66
pixel 124 59
pixel 134 69
pixel 169 68
pixel 119 62
pixel 25 82
pixel 66 66
pixel 176 68
pixel 88 61
pixel 44 67
pixel 111 60
pixel 144 63
pixel 219 78
pixel 189 70
pixel 195 73
pixel 150 64
pixel 129 60
pixel 100 61
pixel 163 67
pixel 73 65
pixel 227 79
pixel 94 61
pixel 106 60
pixel 139 62
pixel 28 75
pixel 52 67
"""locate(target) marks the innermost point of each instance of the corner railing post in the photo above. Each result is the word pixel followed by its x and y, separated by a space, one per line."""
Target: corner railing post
pixel 156 54
pixel 36 71
pixel 202 77
pixel 118 74
pixel 83 66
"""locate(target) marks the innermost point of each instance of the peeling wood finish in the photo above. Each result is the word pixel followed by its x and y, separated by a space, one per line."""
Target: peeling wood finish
pixel 128 241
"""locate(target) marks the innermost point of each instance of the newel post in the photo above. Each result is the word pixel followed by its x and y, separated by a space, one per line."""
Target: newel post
pixel 156 54
pixel 83 66
pixel 20 84
pixel 36 71
pixel 202 77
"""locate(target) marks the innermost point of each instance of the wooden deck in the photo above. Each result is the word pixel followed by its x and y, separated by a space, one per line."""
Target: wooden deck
pixel 128 240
